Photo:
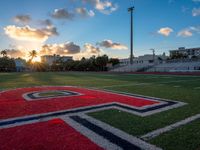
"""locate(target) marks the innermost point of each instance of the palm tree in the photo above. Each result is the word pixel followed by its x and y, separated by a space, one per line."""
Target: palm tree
pixel 32 54
pixel 4 53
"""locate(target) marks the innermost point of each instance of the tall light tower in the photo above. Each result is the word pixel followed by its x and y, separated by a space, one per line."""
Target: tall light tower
pixel 131 39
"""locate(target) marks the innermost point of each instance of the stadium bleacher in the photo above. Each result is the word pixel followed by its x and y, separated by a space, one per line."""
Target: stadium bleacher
pixel 163 67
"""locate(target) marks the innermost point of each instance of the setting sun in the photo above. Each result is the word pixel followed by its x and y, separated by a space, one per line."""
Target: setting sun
pixel 37 59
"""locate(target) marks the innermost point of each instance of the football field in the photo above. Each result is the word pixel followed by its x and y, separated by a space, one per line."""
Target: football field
pixel 101 110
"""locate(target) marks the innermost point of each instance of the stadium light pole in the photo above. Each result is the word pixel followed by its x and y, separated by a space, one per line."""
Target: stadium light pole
pixel 131 36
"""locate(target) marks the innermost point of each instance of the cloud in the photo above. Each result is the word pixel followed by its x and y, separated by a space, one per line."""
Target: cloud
pixel 23 19
pixel 46 22
pixel 15 53
pixel 89 48
pixel 112 45
pixel 188 32
pixel 62 14
pixel 196 0
pixel 65 14
pixel 165 31
pixel 195 29
pixel 185 33
pixel 104 6
pixel 196 12
pixel 50 31
pixel 184 9
pixel 84 12
pixel 70 48
pixel 88 51
pixel 60 49
pixel 27 33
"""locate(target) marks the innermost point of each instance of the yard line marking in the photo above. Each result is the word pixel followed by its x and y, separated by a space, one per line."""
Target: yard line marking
pixel 177 86
pixel 197 88
pixel 152 77
pixel 167 77
pixel 172 76
pixel 160 131
pixel 139 84
pixel 136 84
pixel 180 81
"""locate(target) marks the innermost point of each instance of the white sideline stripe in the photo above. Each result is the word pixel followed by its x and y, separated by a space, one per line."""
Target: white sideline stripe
pixel 134 140
pixel 157 132
pixel 99 140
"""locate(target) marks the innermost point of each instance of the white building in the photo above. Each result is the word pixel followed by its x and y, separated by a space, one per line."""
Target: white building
pixel 20 64
pixel 148 59
pixel 187 52
pixel 49 59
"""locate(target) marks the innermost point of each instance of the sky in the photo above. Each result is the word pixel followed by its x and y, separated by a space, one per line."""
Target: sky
pixel 82 28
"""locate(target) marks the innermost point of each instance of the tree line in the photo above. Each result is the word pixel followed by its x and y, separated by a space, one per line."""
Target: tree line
pixel 6 64
pixel 99 63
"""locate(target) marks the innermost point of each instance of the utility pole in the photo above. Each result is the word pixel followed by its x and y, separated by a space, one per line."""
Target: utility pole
pixel 131 36
pixel 153 50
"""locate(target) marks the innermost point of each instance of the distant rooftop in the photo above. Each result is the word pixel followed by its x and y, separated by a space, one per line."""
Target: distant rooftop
pixel 183 48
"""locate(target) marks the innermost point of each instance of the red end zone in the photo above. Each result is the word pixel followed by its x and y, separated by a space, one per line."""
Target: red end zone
pixel 13 104
pixel 52 135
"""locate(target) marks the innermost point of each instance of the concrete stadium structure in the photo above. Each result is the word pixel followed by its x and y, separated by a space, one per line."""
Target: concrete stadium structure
pixel 179 66
pixel 189 61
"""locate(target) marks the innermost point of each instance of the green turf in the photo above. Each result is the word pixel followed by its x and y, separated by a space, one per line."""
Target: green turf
pixel 181 88
pixel 183 138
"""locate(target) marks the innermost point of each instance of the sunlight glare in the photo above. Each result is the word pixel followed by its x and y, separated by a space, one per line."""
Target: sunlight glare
pixel 36 59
